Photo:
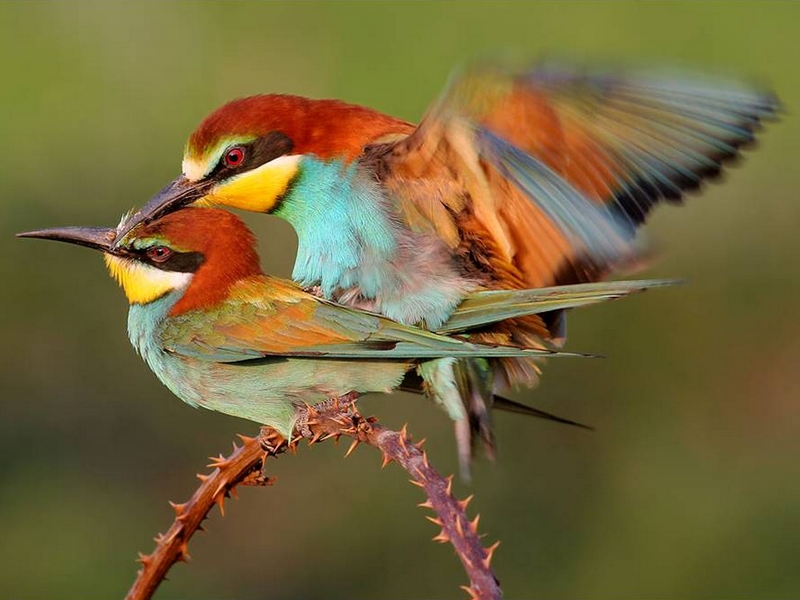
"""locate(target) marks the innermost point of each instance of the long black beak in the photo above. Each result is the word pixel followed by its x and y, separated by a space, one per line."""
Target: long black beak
pixel 99 238
pixel 178 193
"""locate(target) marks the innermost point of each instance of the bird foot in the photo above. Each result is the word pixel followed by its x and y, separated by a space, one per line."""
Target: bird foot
pixel 337 406
pixel 301 425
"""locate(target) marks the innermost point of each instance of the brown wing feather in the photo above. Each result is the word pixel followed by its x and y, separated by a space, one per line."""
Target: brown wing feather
pixel 623 142
pixel 620 142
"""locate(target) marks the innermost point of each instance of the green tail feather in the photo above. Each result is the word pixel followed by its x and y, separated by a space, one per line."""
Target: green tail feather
pixel 483 308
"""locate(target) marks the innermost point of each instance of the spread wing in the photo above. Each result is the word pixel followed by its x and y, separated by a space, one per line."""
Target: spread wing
pixel 542 178
pixel 264 317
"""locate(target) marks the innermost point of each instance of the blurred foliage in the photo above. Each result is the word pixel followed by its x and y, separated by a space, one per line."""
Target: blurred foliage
pixel 690 486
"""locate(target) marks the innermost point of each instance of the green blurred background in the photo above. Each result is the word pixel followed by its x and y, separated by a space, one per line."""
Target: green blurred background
pixel 689 488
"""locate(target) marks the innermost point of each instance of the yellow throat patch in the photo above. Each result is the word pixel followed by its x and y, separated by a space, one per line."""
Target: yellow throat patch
pixel 143 283
pixel 257 190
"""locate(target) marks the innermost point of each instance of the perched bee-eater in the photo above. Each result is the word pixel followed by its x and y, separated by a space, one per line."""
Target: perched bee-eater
pixel 222 335
pixel 510 181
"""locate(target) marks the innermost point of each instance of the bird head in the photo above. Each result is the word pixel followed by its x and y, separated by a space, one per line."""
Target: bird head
pixel 247 153
pixel 199 252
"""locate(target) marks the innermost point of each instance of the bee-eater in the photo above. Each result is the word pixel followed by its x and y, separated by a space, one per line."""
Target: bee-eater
pixel 510 181
pixel 222 335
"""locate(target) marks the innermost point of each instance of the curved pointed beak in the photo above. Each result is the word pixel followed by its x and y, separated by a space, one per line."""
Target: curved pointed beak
pixel 99 238
pixel 179 192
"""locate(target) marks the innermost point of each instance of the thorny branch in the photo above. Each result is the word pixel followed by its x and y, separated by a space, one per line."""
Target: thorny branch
pixel 397 446
pixel 243 467
pixel 331 419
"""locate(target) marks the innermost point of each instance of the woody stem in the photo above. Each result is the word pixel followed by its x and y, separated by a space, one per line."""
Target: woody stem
pixel 331 419
pixel 342 418
pixel 242 467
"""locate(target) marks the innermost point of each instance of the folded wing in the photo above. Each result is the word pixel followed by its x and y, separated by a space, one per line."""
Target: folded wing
pixel 265 317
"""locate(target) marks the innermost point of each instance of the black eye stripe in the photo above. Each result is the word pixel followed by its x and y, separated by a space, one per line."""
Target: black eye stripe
pixel 267 148
pixel 181 262
pixel 258 152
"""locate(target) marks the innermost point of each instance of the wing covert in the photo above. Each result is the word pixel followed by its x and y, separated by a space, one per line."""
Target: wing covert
pixel 266 317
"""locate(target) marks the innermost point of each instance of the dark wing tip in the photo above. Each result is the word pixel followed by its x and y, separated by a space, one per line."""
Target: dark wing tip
pixel 502 403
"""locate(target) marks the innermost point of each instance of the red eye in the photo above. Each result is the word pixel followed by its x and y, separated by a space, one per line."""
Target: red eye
pixel 159 254
pixel 234 157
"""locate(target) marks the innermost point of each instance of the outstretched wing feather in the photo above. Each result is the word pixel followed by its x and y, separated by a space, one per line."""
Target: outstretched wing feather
pixel 494 156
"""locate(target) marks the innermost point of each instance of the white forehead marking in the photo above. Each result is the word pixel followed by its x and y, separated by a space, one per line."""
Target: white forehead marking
pixel 195 169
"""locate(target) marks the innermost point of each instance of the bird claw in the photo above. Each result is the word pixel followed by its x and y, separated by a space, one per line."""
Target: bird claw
pixel 337 407
pixel 301 426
